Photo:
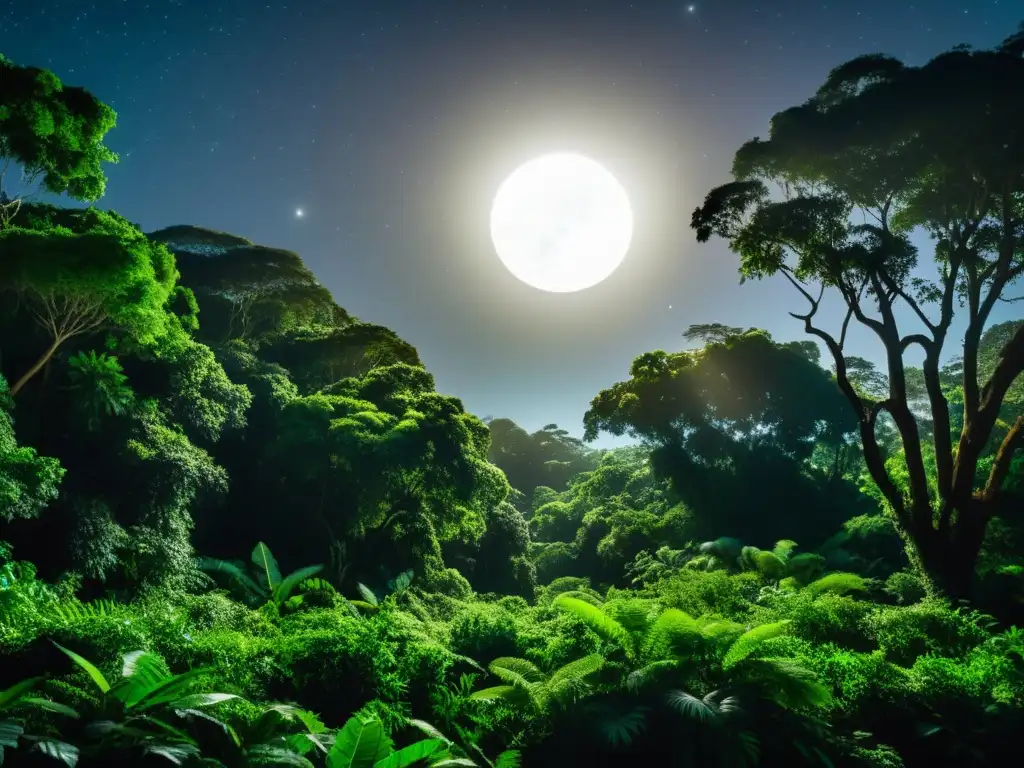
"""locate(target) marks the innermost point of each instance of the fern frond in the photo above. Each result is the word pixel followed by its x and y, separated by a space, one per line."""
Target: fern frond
pixel 638 678
pixel 788 682
pixel 634 614
pixel 720 630
pixel 519 669
pixel 745 644
pixel 495 692
pixel 600 622
pixel 672 632
pixel 569 682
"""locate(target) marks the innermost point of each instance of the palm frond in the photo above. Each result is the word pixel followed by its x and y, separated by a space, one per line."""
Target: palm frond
pixel 689 706
pixel 620 727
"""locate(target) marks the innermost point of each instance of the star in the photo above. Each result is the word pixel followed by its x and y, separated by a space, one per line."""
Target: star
pixel 691 9
pixel 299 213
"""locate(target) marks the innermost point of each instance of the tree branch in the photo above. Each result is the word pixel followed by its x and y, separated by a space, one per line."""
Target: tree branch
pixel 866 417
pixel 1001 465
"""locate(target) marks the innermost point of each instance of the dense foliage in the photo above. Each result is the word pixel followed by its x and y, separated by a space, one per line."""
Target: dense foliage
pixel 240 527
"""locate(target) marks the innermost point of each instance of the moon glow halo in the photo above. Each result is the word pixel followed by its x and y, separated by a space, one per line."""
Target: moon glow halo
pixel 561 223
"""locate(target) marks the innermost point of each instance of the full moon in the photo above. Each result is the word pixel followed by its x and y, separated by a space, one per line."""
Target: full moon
pixel 561 223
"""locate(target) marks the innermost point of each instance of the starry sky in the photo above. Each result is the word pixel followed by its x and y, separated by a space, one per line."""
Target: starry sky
pixel 391 123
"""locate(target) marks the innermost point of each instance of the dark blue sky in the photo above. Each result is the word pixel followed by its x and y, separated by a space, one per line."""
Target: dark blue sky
pixel 391 123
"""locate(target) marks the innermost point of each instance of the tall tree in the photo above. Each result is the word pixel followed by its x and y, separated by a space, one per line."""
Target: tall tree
pixel 54 133
pixel 82 271
pixel 880 150
pixel 731 426
pixel 548 457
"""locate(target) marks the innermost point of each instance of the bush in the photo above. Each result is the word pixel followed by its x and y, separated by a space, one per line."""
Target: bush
pixel 930 626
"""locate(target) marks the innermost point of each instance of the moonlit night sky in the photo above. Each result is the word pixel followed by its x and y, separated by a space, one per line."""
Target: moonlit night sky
pixel 370 137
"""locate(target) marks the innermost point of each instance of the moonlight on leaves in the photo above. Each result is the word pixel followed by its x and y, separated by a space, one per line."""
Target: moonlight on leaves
pixel 561 223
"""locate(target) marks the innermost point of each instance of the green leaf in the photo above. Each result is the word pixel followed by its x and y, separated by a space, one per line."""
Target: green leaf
pixel 292 580
pixel 264 754
pixel 411 755
pixel 176 753
pixel 51 706
pixel 367 594
pixel 204 699
pixel 210 718
pixel 495 692
pixel 264 560
pixel 58 750
pixel 510 758
pixel 213 565
pixel 143 672
pixel 17 691
pixel 9 733
pixel 170 690
pixel 429 730
pixel 89 667
pixel 454 762
pixel 361 743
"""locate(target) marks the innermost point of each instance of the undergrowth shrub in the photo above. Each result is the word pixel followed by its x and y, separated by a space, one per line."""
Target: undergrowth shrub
pixel 930 626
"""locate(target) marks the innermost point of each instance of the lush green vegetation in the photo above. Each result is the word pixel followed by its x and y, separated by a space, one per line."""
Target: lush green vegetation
pixel 240 527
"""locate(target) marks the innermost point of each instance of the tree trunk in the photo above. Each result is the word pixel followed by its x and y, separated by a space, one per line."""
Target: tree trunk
pixel 949 558
pixel 36 367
